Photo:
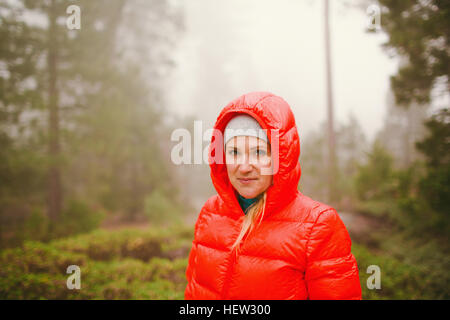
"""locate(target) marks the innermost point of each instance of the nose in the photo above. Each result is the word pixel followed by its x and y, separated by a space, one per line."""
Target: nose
pixel 245 167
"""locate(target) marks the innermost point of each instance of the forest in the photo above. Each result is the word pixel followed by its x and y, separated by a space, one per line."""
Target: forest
pixel 86 137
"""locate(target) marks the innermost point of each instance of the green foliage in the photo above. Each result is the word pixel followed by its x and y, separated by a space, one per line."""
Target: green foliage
pixel 160 208
pixel 102 245
pixel 415 198
pixel 435 186
pixel 398 280
pixel 33 286
pixel 110 121
pixel 128 264
pixel 22 175
pixel 37 257
pixel 436 146
pixel 420 32
pixel 34 224
pixel 78 217
pixel 415 256
pixel 129 268
pixel 375 179
pixel 428 257
pixel 36 227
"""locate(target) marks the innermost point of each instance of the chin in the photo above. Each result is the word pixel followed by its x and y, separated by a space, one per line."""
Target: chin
pixel 248 194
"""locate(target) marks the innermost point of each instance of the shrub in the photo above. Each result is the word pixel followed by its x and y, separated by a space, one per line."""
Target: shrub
pixel 141 248
pixel 36 226
pixel 375 179
pixel 37 257
pixel 126 265
pixel 404 276
pixel 398 281
pixel 159 208
pixel 78 217
pixel 33 286
pixel 129 264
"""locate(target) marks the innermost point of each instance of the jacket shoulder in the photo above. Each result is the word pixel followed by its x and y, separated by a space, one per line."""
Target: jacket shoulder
pixel 326 229
pixel 212 204
pixel 305 209
pixel 316 208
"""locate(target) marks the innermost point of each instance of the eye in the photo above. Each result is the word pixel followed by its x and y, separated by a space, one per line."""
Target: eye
pixel 260 152
pixel 232 152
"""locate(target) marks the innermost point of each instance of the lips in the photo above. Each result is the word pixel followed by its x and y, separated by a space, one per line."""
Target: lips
pixel 246 180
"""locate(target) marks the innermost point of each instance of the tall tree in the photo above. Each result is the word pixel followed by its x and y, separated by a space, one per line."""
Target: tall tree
pixel 22 95
pixel 420 32
pixel 435 185
pixel 59 71
pixel 331 163
pixel 88 98
pixel 54 190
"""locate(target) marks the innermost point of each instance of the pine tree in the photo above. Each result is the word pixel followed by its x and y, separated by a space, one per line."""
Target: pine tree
pixel 419 31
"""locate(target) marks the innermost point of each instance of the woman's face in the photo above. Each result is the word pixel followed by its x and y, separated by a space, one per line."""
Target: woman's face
pixel 248 161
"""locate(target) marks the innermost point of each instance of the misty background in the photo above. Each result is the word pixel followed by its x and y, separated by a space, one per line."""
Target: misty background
pixel 91 92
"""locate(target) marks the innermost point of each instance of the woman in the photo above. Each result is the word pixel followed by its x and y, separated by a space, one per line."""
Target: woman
pixel 259 237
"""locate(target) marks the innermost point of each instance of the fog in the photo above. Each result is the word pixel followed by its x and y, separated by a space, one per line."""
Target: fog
pixel 233 47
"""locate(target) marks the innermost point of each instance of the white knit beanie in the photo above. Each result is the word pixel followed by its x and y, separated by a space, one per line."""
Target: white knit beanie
pixel 243 125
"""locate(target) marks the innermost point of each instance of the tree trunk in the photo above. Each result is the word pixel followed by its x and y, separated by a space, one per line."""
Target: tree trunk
pixel 332 174
pixel 54 180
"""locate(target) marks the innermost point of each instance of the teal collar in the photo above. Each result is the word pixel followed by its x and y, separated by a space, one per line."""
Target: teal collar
pixel 245 203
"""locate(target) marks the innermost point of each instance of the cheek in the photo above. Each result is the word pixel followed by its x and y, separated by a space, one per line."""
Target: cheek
pixel 231 169
pixel 266 181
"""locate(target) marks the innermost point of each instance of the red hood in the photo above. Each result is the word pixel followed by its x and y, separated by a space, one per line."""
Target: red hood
pixel 272 113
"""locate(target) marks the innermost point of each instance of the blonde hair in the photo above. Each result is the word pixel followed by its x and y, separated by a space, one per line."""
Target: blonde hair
pixel 254 213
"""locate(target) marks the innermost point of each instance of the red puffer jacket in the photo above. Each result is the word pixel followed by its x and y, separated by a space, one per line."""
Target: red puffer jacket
pixel 301 249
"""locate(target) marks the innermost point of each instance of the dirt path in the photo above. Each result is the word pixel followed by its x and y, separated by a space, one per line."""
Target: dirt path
pixel 353 221
pixel 358 225
pixel 363 229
